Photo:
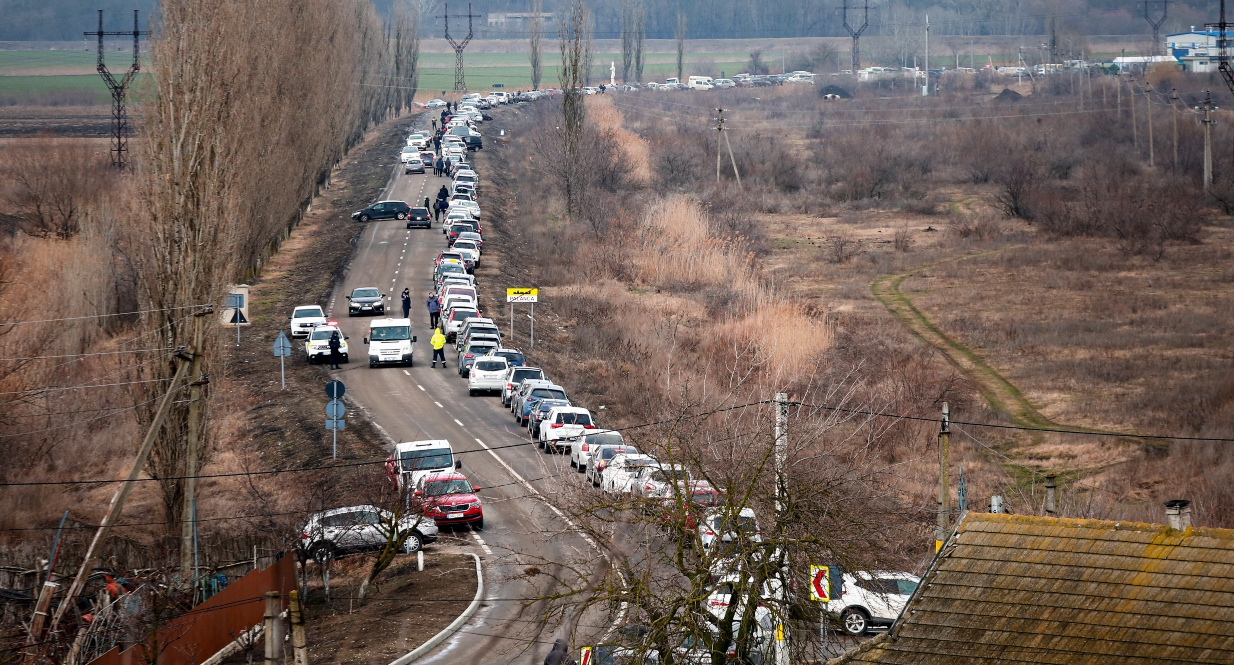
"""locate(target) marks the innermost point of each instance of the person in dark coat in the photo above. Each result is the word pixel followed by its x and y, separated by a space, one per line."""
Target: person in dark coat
pixel 443 193
pixel 406 303
pixel 335 345
pixel 560 655
pixel 427 205
pixel 438 166
pixel 434 310
pixel 437 211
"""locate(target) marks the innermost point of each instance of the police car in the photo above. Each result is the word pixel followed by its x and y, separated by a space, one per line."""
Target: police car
pixel 317 344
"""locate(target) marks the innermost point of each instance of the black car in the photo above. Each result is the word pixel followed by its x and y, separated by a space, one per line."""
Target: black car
pixel 413 166
pixel 420 217
pixel 365 300
pixel 384 210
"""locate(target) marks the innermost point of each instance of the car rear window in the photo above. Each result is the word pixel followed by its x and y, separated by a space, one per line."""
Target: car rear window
pixel 480 349
pixel 574 418
pixel 548 393
pixel 322 334
pixel 490 366
pixel 461 314
pixel 606 438
pixel 307 312
pixel 511 356
pixel 520 374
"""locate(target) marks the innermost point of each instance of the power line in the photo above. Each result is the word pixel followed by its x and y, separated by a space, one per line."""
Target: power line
pixel 33 391
pixel 101 316
pixel 82 355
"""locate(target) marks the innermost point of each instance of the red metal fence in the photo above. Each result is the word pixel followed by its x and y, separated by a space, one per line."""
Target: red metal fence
pixel 193 637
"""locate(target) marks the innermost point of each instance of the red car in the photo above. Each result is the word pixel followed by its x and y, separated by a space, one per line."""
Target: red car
pixel 702 496
pixel 449 499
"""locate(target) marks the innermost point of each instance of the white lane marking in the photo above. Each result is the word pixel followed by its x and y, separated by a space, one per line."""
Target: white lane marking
pixel 419 386
pixel 459 423
pixel 409 374
pixel 396 272
pixel 483 545
pixel 439 404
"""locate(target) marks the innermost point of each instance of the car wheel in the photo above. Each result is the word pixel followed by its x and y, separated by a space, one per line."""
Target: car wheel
pixel 323 551
pixel 402 215
pixel 310 360
pixel 364 218
pixel 572 464
pixel 478 525
pixel 371 365
pixel 413 544
pixel 471 393
pixel 344 357
pixel 855 621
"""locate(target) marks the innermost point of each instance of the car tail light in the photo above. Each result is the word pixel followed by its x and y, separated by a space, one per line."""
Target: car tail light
pixel 556 425
pixel 589 426
pixel 585 447
pixel 469 355
pixel 601 465
pixel 647 486
pixel 304 537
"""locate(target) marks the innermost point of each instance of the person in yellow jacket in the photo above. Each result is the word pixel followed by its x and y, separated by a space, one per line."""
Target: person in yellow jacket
pixel 438 342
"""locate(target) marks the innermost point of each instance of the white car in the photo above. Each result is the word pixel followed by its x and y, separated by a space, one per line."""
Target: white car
pixel 417 140
pixel 409 153
pixel 469 250
pixel 464 202
pixel 304 318
pixel 867 600
pixel 724 83
pixel 488 374
pixel 317 345
pixel 656 482
pixel 355 528
pixel 720 526
pixel 582 446
pixel 389 342
pixel 413 461
pixel 564 423
pixel 435 104
pixel 514 377
pixel 622 470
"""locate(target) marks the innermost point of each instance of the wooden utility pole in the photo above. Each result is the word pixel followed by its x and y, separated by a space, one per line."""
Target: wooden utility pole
pixel 273 629
pixel 720 132
pixel 1148 101
pixel 117 501
pixel 1208 140
pixel 1174 105
pixel 1135 128
pixel 298 643
pixel 188 520
pixel 944 492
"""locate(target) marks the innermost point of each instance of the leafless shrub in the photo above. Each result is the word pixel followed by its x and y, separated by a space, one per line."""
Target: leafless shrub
pixel 978 227
pixel 842 249
pixel 1016 181
pixel 52 182
pixel 903 240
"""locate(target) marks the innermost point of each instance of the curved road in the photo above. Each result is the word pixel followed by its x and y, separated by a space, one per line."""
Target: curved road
pixel 420 402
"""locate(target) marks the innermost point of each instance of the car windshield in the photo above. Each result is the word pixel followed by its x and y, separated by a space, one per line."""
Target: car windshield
pixel 906 587
pixel 548 393
pixel 669 475
pixel 610 453
pixel 491 366
pixel 444 487
pixel 323 334
pixel 574 418
pixel 308 312
pixel 389 333
pixel 460 314
pixel 366 293
pixel 605 438
pixel 429 458
pixel 743 523
pixel 450 267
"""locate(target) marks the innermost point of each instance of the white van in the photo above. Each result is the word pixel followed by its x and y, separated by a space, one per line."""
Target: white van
pixel 415 460
pixel 700 83
pixel 389 342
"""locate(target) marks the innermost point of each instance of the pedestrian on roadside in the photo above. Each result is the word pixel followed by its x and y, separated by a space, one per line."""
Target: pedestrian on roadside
pixel 434 310
pixel 426 204
pixel 406 303
pixel 438 166
pixel 438 342
pixel 434 125
pixel 335 345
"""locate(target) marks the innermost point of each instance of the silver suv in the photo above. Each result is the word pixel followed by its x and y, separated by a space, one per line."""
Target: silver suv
pixel 359 528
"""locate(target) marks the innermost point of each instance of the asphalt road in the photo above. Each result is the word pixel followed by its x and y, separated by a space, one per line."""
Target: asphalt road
pixel 522 528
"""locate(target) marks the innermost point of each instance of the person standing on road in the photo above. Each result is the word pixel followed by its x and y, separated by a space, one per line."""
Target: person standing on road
pixel 437 210
pixel 406 303
pixel 438 166
pixel 427 206
pixel 438 342
pixel 335 345
pixel 437 144
pixel 434 310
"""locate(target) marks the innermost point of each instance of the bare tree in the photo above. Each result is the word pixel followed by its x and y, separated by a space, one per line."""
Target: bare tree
pixel 628 28
pixel 589 26
pixel 535 33
pixel 402 511
pixel 406 53
pixel 574 45
pixel 681 45
pixel 640 30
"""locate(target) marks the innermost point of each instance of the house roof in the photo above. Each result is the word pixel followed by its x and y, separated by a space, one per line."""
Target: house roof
pixel 1025 589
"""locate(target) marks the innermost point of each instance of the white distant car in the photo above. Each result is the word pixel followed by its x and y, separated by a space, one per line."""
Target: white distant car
pixel 435 104
pixel 867 600
pixel 409 153
pixel 720 526
pixel 469 249
pixel 656 482
pixel 304 318
pixel 514 377
pixel 562 424
pixel 317 345
pixel 464 202
pixel 581 447
pixel 620 473
pixel 488 374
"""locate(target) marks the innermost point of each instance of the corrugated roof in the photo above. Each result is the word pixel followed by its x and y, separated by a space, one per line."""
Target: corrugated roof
pixel 1023 589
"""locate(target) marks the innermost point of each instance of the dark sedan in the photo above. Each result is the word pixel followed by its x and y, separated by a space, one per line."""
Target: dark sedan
pixel 383 210
pixel 420 217
pixel 365 300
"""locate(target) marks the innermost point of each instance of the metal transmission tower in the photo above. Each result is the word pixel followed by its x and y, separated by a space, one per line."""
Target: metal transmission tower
pixel 460 85
pixel 1156 23
pixel 856 34
pixel 1223 48
pixel 119 114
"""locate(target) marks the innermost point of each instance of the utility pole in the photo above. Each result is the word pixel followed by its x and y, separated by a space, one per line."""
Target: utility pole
pixel 119 113
pixel 1135 126
pixel 117 500
pixel 720 131
pixel 944 493
pixel 925 90
pixel 1156 23
pixel 781 451
pixel 189 520
pixel 856 34
pixel 1174 105
pixel 1208 139
pixel 1148 100
pixel 1051 508
pixel 460 85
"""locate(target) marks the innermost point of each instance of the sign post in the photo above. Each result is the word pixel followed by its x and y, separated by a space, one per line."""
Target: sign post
pixel 335 411
pixel 282 349
pixel 820 590
pixel 527 295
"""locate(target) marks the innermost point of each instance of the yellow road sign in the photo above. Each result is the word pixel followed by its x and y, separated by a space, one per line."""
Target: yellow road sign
pixel 820 583
pixel 516 294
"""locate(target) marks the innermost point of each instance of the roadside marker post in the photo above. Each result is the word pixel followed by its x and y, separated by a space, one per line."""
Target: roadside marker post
pixel 335 410
pixel 527 295
pixel 282 349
